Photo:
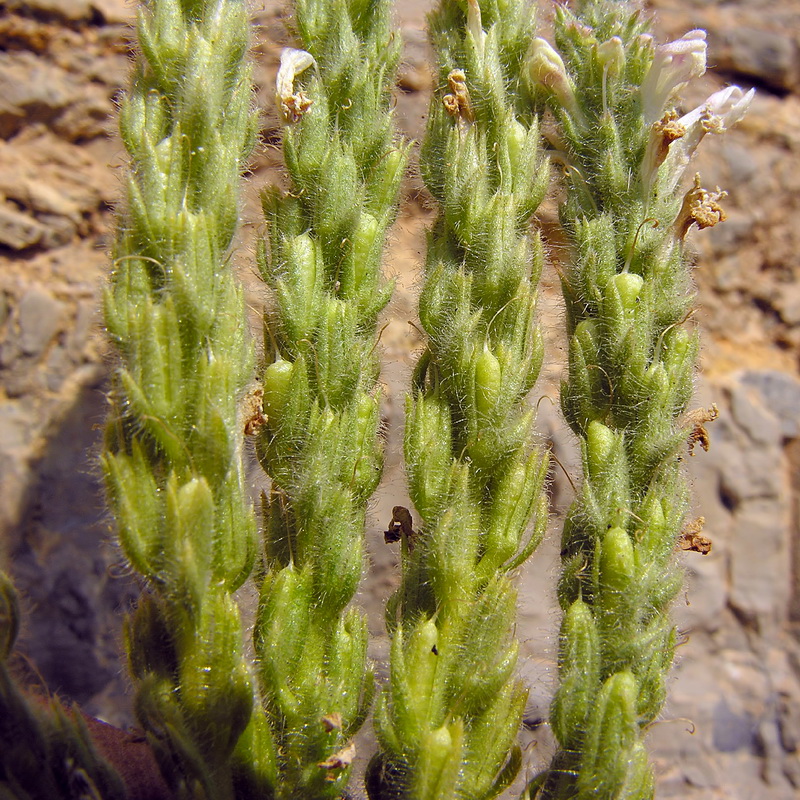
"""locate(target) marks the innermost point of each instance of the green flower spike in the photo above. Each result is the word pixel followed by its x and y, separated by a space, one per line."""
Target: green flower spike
pixel 631 364
pixel 448 720
pixel 320 445
pixel 172 457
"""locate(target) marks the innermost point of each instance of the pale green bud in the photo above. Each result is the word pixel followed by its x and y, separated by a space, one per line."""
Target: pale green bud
pixel 629 289
pixel 611 54
pixel 652 542
pixel 385 181
pixel 486 667
pixel 427 449
pixel 337 551
pixel 276 382
pixel 600 444
pixel 282 625
pixel 583 398
pixel 436 773
pixel 416 694
pixel 488 382
pixel 656 651
pixel 513 497
pixel 617 560
pixel 255 759
pixel 364 253
pixel 516 139
pixel 215 687
pixel 190 522
pixel 454 543
pixel 235 533
pixel 579 674
pixel 137 507
pixel 611 733
pixel 299 290
pixel 545 67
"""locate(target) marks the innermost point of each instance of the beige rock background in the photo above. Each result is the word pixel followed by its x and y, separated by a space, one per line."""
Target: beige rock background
pixel 731 728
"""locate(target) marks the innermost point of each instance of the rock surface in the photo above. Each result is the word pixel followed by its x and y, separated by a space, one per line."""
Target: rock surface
pixel 737 679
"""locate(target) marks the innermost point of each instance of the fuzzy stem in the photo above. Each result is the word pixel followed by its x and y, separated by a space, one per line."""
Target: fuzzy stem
pixel 320 444
pixel 631 364
pixel 172 457
pixel 448 720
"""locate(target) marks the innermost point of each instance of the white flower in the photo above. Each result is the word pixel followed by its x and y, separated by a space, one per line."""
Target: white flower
pixel 546 67
pixel 674 65
pixel 719 112
pixel 293 62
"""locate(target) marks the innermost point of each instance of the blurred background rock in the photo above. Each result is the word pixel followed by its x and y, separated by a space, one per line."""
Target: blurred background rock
pixel 731 727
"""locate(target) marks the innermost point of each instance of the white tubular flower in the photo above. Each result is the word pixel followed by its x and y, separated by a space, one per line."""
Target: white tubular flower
pixel 674 65
pixel 293 62
pixel 720 111
pixel 546 67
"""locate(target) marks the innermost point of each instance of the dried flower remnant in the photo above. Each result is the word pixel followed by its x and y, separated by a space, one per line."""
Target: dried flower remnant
pixel 457 102
pixel 692 538
pixel 400 528
pixel 700 207
pixel 698 433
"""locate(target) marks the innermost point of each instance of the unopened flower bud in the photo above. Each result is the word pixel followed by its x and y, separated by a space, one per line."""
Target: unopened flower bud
pixel 364 238
pixel 387 175
pixel 546 67
pixel 629 287
pixel 516 137
pixel 277 378
pixel 617 560
pixel 600 443
pixel 611 54
pixel 488 381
